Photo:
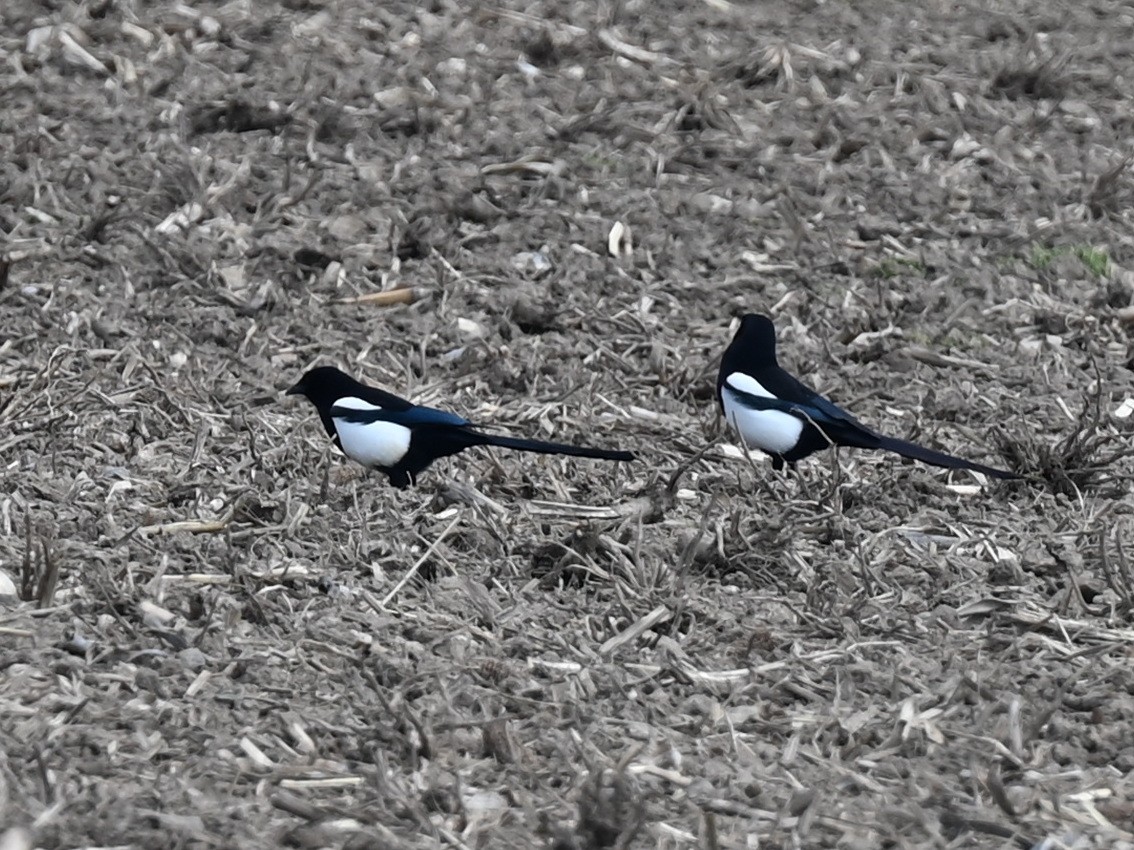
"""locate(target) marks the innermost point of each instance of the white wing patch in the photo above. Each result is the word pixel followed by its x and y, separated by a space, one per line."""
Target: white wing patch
pixel 747 384
pixel 772 431
pixel 352 403
pixel 381 444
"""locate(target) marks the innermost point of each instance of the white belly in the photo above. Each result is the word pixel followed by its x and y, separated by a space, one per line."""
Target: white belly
pixel 771 431
pixel 380 444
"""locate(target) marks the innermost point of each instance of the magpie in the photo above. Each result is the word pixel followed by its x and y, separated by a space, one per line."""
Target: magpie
pixel 388 433
pixel 774 412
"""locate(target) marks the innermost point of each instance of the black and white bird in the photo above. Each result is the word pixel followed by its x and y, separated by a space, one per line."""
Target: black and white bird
pixel 774 412
pixel 388 433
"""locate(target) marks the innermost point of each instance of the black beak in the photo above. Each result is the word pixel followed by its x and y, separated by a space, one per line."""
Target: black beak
pixel 298 389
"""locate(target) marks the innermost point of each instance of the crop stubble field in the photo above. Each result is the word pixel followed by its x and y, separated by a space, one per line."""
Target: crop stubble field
pixel 230 637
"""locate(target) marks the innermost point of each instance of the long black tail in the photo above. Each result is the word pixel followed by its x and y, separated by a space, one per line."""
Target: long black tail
pixel 543 447
pixel 934 458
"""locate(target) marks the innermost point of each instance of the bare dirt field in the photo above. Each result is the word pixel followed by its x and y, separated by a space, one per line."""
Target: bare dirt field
pixel 216 632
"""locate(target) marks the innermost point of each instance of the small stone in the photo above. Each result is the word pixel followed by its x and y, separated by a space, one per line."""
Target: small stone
pixel 193 658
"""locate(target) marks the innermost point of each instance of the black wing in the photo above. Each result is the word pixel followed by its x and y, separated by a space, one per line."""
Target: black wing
pixel 790 389
pixel 385 400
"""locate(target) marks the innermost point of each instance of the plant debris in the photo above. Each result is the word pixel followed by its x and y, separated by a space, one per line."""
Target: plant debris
pixel 215 632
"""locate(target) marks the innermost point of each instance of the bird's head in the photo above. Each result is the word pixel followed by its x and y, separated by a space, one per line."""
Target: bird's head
pixel 754 325
pixel 756 340
pixel 323 386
